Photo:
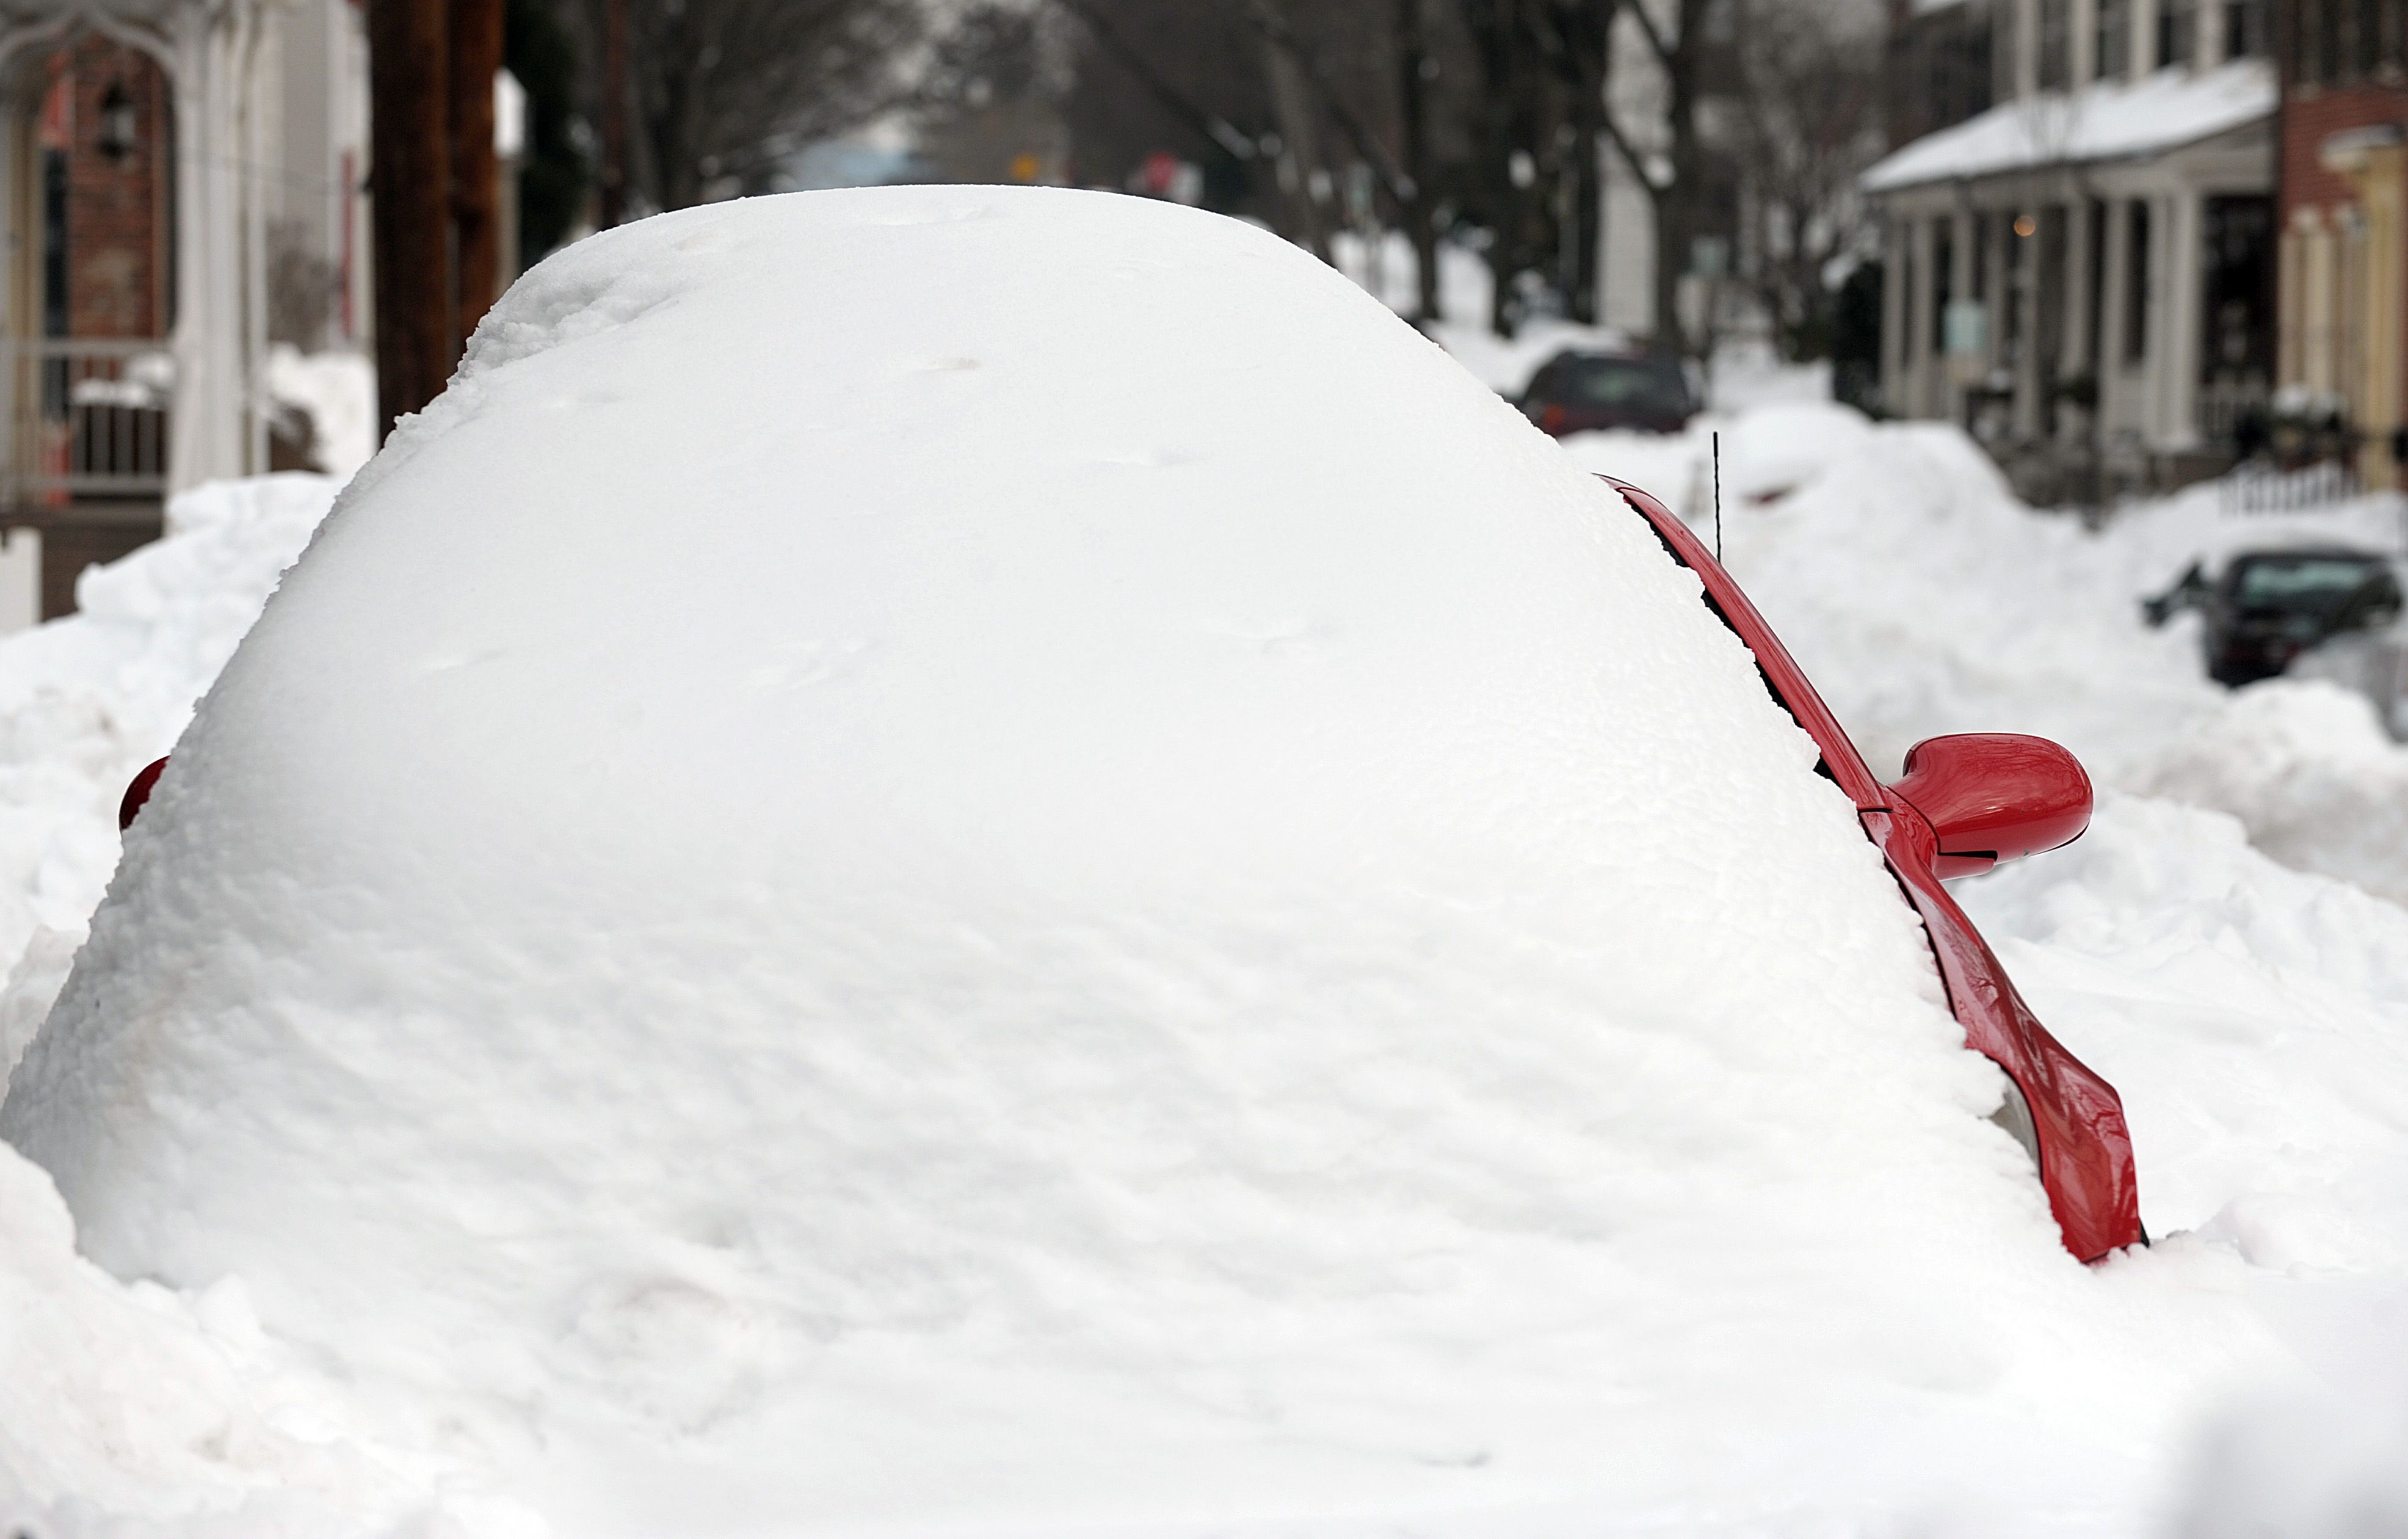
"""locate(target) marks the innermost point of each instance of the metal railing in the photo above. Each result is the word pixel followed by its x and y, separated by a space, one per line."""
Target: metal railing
pixel 2265 485
pixel 2227 405
pixel 89 418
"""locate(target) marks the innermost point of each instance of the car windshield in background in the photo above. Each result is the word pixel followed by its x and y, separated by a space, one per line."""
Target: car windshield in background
pixel 2300 581
pixel 1624 381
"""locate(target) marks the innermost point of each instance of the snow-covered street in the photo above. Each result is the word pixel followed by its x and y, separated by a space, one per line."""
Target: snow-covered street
pixel 2228 945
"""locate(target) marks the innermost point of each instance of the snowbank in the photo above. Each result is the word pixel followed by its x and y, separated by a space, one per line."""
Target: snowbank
pixel 2252 1016
pixel 87 700
pixel 130 1405
pixel 2309 768
pixel 1924 598
pixel 1049 932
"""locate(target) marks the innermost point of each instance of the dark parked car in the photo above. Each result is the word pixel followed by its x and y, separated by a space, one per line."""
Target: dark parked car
pixel 2272 604
pixel 1589 391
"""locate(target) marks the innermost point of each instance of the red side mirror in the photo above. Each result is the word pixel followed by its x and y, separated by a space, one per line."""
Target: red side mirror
pixel 1994 796
pixel 138 793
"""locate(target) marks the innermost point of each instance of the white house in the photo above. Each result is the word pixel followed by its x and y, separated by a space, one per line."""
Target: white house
pixel 2084 273
pixel 183 181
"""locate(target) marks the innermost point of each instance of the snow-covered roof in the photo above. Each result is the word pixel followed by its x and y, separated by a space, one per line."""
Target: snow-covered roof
pixel 2111 119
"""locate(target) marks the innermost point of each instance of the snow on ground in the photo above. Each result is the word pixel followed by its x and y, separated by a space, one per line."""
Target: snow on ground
pixel 2219 944
pixel 116 1402
pixel 1922 598
pixel 2196 947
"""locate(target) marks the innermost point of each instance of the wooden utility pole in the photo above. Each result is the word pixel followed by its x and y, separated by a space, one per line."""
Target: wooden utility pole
pixel 476 47
pixel 409 68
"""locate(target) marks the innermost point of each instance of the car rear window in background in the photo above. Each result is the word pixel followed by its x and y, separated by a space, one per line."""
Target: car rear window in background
pixel 2300 581
pixel 1647 385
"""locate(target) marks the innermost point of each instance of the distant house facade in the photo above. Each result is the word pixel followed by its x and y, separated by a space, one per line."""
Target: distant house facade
pixel 184 186
pixel 2083 272
pixel 2344 223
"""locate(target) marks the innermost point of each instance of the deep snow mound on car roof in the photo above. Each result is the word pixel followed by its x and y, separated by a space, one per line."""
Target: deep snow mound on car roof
pixel 940 808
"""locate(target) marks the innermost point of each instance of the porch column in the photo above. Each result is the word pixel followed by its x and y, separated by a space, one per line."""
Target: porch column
pixel 1962 264
pixel 2291 303
pixel 1915 323
pixel 2074 352
pixel 1899 272
pixel 2186 293
pixel 1995 263
pixel 2115 410
pixel 2317 370
pixel 2029 255
pixel 2159 358
pixel 2380 173
pixel 213 406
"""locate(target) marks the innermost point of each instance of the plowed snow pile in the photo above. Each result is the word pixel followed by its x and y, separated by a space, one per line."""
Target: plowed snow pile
pixel 2255 1019
pixel 883 880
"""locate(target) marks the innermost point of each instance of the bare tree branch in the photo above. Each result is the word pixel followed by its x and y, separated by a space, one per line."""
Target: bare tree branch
pixel 1211 125
pixel 1274 26
pixel 1666 52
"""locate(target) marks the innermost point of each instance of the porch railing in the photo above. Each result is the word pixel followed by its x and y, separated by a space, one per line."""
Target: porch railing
pixel 2226 407
pixel 89 418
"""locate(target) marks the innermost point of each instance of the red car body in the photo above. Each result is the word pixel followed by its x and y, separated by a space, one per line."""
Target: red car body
pixel 2077 1121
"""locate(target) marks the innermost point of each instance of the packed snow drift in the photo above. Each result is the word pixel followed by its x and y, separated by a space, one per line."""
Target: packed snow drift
pixel 895 874
pixel 1016 862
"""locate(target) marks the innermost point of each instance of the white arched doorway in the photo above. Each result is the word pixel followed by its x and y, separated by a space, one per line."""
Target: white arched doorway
pixel 135 329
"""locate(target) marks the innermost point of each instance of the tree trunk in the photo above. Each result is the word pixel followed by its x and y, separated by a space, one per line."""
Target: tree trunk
pixel 613 208
pixel 476 49
pixel 1299 154
pixel 1677 205
pixel 1413 63
pixel 411 184
pixel 1592 41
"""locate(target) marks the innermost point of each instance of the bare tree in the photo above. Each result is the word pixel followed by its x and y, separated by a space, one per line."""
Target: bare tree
pixel 1677 181
pixel 1581 37
pixel 1417 69
pixel 988 103
pixel 1810 124
pixel 718 91
pixel 1518 112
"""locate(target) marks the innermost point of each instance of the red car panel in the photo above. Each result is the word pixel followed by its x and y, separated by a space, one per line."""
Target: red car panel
pixel 2085 1151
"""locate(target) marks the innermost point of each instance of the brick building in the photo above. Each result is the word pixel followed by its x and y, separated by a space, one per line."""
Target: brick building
pixel 182 185
pixel 2344 220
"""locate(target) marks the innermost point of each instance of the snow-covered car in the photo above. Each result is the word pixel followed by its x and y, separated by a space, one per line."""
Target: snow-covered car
pixel 2270 605
pixel 935 855
pixel 1595 390
pixel 1966 802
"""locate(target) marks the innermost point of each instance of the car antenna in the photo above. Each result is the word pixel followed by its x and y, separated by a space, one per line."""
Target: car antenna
pixel 1718 497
